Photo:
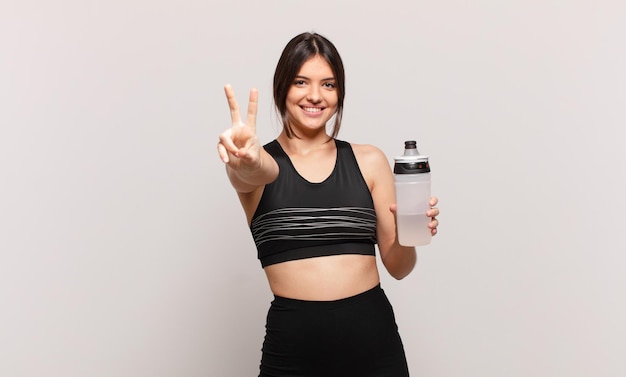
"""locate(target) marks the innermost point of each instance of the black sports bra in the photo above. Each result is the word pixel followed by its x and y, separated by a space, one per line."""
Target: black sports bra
pixel 297 219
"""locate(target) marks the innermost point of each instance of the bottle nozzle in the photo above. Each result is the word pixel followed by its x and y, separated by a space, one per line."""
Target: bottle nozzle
pixel 410 148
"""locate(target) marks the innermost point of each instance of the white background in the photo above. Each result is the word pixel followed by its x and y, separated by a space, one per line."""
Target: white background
pixel 123 248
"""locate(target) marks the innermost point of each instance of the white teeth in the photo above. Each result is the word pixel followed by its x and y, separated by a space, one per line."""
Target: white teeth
pixel 312 109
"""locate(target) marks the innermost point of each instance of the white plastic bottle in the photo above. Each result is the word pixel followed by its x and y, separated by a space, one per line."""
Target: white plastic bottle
pixel 412 184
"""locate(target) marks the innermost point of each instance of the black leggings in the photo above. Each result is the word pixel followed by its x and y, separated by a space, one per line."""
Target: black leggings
pixel 355 336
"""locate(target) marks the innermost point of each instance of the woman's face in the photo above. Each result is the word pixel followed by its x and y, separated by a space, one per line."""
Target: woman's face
pixel 312 97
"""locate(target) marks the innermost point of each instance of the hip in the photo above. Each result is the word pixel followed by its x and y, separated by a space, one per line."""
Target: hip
pixel 353 336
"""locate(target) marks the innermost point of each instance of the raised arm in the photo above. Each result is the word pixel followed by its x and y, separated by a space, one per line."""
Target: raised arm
pixel 248 166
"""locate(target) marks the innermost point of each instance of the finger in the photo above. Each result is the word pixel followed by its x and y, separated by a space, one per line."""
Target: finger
pixel 433 224
pixel 221 150
pixel 432 212
pixel 253 104
pixel 235 116
pixel 433 201
pixel 226 142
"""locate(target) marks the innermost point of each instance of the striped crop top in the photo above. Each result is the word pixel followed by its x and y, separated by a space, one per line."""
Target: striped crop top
pixel 297 219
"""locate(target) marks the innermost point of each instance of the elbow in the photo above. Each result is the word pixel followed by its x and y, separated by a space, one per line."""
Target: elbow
pixel 400 270
pixel 399 275
pixel 400 263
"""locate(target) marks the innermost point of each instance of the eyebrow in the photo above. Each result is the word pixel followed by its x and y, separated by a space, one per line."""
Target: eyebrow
pixel 307 78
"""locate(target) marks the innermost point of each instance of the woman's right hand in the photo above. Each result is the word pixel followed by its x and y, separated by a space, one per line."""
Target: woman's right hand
pixel 239 146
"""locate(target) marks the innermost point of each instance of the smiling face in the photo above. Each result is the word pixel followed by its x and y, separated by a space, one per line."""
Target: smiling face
pixel 312 97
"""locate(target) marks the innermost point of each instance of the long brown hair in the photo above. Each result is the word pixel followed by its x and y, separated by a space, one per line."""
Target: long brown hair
pixel 300 49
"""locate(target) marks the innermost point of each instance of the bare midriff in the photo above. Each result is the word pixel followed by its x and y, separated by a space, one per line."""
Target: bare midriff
pixel 323 278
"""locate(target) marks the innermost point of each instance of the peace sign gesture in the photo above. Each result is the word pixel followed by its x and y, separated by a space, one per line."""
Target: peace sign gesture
pixel 239 146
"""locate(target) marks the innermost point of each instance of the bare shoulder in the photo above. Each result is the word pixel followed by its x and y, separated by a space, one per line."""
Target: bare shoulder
pixel 368 154
pixel 371 159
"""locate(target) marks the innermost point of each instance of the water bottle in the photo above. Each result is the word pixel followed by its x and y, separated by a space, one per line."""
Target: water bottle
pixel 412 184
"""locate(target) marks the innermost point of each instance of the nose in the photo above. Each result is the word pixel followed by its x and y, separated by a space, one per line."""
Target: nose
pixel 314 95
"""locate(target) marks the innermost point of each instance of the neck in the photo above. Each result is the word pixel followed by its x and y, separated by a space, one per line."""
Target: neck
pixel 303 146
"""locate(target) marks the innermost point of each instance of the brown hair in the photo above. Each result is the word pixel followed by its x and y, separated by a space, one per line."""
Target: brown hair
pixel 300 49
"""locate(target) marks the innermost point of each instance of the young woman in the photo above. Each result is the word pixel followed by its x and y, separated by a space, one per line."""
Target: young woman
pixel 316 206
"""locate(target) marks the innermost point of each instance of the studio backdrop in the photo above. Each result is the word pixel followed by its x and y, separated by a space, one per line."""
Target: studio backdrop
pixel 123 248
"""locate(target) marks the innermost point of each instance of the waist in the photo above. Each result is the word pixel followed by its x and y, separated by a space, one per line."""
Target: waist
pixel 323 278
pixel 308 305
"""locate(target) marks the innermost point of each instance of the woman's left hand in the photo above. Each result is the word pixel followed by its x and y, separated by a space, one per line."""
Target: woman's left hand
pixel 433 212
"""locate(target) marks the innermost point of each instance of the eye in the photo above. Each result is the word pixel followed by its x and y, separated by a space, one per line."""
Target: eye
pixel 299 83
pixel 329 85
